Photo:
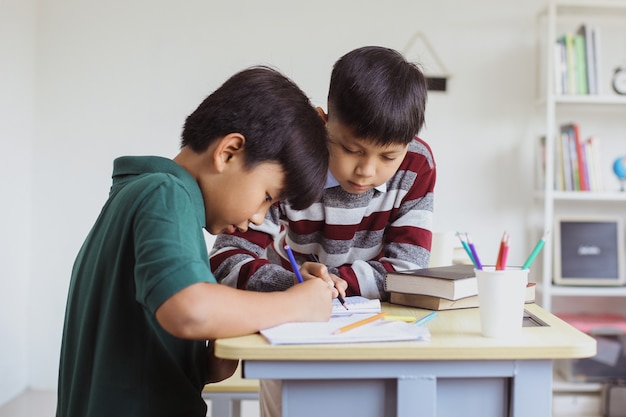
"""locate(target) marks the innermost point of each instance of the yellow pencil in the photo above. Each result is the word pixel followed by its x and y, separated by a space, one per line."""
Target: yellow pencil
pixel 360 323
pixel 408 319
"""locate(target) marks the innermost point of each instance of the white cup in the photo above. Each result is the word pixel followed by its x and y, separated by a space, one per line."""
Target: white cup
pixel 501 296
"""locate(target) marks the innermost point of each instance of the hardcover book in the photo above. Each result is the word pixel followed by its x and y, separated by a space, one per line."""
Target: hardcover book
pixel 452 282
pixel 438 303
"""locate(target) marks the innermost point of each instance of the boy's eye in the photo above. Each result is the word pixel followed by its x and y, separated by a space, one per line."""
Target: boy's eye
pixel 349 150
pixel 389 158
pixel 268 198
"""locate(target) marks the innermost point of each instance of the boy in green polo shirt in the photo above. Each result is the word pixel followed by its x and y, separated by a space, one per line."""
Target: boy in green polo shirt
pixel 142 301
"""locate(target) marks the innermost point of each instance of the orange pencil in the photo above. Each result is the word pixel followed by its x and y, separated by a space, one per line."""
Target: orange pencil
pixel 505 252
pixel 503 244
pixel 360 323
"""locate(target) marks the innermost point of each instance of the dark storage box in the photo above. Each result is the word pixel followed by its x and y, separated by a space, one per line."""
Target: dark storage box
pixel 609 363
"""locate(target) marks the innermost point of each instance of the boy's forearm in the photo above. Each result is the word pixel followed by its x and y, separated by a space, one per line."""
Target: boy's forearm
pixel 239 269
pixel 406 249
pixel 236 261
pixel 209 311
pixel 270 277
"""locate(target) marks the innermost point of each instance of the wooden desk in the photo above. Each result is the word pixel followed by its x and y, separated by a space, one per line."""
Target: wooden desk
pixel 458 373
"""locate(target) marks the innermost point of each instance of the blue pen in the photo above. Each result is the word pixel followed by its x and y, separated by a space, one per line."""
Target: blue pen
pixel 294 264
pixel 426 318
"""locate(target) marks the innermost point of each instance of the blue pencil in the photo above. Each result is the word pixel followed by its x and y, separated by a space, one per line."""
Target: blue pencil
pixel 426 318
pixel 294 264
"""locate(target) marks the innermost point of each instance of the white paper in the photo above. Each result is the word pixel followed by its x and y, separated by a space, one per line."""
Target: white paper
pixel 322 332
pixel 356 304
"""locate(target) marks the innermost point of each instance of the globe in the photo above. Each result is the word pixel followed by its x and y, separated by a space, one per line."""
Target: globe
pixel 619 168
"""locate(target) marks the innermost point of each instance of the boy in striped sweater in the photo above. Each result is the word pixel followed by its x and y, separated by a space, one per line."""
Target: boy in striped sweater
pixel 376 212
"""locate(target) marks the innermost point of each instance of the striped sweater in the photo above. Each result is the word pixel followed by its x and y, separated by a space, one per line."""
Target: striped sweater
pixel 359 237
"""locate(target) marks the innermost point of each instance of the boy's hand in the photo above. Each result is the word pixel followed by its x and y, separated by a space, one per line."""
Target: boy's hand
pixel 313 300
pixel 311 270
pixel 218 369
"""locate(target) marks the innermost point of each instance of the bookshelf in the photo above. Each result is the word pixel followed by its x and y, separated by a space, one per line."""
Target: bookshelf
pixel 601 114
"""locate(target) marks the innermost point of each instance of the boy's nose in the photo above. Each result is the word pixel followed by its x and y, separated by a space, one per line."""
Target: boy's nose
pixel 257 219
pixel 366 168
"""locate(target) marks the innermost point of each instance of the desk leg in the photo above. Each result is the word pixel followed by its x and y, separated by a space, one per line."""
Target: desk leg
pixel 417 393
pixel 531 389
pixel 223 407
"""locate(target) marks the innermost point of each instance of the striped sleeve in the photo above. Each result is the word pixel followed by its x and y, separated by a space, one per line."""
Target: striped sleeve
pixel 239 260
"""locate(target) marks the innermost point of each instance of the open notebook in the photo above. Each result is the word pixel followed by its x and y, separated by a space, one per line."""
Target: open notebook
pixel 356 304
pixel 359 308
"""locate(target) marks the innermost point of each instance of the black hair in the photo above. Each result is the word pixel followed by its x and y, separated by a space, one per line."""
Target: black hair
pixel 377 93
pixel 278 122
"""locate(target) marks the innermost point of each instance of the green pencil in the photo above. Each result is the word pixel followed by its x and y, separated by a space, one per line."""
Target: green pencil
pixel 535 251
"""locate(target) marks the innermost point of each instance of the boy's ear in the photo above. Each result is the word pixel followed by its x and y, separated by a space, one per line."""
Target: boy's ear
pixel 322 114
pixel 229 147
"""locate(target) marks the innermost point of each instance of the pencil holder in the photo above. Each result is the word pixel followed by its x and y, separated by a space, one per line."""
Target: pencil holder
pixel 501 295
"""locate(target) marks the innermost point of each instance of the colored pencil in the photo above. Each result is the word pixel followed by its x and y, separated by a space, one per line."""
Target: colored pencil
pixel 466 247
pixel 477 263
pixel 535 251
pixel 294 264
pixel 502 253
pixel 505 252
pixel 426 318
pixel 360 323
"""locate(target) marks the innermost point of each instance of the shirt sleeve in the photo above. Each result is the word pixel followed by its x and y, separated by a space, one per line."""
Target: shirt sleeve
pixel 170 250
pixel 240 259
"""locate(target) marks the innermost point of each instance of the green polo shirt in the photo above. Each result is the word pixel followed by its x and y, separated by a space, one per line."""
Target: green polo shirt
pixel 146 245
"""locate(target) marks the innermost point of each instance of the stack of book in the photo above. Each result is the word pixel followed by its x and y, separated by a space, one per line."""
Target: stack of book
pixel 578 161
pixel 440 288
pixel 578 165
pixel 577 62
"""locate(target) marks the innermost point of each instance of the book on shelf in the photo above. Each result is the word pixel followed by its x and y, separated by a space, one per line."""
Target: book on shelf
pixel 592 154
pixel 577 161
pixel 452 282
pixel 587 34
pixel 580 159
pixel 560 67
pixel 439 303
pixel 577 61
pixel 581 64
pixel 568 56
pixel 571 162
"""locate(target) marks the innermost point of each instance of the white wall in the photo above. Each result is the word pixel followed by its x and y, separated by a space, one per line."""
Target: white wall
pixel 17 51
pixel 119 77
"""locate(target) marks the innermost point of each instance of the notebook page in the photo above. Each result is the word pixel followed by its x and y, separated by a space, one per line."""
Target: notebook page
pixel 356 304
